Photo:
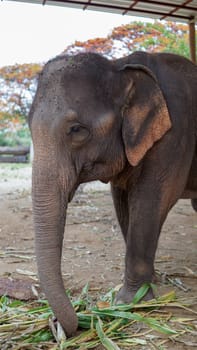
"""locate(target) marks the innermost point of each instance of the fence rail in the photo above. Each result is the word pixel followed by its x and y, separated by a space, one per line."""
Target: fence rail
pixel 18 154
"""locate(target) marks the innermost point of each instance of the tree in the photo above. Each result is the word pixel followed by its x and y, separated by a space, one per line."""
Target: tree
pixel 17 88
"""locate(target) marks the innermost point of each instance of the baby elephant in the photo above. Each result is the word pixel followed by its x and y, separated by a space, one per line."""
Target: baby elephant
pixel 131 122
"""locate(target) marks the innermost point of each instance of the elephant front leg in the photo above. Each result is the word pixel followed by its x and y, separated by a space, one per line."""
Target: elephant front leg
pixel 120 199
pixel 146 216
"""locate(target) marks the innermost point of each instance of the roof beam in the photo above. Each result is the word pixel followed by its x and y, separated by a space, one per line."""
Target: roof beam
pixel 85 6
pixel 120 8
pixel 163 4
pixel 130 7
pixel 169 4
pixel 177 7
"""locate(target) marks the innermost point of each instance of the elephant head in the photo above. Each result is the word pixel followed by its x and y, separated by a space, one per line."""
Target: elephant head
pixel 91 119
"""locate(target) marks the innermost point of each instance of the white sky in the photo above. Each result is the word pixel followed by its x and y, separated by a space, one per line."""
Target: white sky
pixel 36 33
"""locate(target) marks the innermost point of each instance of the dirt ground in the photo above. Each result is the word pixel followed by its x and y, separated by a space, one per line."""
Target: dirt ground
pixel 93 246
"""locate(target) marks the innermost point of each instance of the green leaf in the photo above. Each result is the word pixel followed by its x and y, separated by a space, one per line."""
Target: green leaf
pixel 142 291
pixel 151 322
pixel 168 297
pixel 16 303
pixel 4 301
pixel 86 321
pixel 85 290
pixel 106 342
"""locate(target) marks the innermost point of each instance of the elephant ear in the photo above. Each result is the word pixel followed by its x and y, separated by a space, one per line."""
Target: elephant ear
pixel 145 114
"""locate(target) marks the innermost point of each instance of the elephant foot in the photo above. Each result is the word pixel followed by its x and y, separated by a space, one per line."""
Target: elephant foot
pixel 125 295
pixel 194 204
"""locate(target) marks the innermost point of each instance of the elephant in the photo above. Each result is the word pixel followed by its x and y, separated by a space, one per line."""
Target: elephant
pixel 130 122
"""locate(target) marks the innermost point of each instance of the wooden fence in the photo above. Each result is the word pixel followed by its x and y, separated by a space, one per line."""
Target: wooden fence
pixel 18 154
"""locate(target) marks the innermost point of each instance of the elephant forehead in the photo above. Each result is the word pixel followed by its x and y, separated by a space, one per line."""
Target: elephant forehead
pixel 104 124
pixel 54 66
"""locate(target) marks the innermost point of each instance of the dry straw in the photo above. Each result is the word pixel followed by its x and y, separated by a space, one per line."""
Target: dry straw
pixel 140 325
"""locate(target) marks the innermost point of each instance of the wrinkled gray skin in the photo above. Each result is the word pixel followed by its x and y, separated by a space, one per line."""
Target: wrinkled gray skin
pixel 132 122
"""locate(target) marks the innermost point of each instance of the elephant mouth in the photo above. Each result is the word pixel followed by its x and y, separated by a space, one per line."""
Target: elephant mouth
pixel 94 172
pixel 106 180
pixel 71 194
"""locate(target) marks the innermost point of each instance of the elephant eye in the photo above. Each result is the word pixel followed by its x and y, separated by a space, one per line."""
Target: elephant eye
pixel 75 129
pixel 78 134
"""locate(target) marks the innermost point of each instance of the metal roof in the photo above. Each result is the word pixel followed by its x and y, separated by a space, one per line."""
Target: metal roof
pixel 175 10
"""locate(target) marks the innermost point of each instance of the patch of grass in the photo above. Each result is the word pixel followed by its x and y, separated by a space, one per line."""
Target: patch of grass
pixel 30 325
pixel 14 166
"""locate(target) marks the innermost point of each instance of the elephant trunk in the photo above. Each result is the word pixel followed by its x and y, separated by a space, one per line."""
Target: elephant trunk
pixel 49 212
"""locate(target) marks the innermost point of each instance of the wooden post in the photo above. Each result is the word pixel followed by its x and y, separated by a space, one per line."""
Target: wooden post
pixel 192 40
pixel 14 154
